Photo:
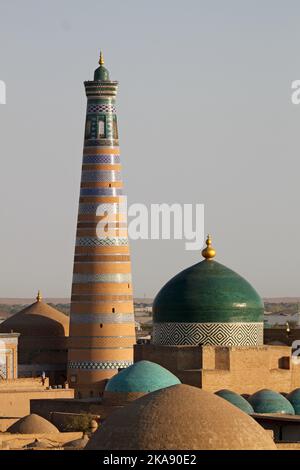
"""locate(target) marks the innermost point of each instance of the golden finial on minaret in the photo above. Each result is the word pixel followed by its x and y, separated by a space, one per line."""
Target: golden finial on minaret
pixel 101 60
pixel 39 296
pixel 209 252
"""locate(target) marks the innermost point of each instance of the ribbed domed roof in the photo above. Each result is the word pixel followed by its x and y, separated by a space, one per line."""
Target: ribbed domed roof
pixel 236 400
pixel 32 424
pixel 180 417
pixel 39 319
pixel 207 292
pixel 208 303
pixel 142 376
pixel 268 401
pixel 294 399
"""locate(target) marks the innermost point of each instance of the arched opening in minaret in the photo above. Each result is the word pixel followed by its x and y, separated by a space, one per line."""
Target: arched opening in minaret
pixel 101 325
pixel 113 310
pixel 101 127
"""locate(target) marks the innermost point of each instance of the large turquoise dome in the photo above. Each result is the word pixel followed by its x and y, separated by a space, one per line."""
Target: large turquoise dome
pixel 236 400
pixel 212 295
pixel 268 401
pixel 141 377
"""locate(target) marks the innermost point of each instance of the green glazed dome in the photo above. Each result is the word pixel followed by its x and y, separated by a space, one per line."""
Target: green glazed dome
pixel 142 377
pixel 208 304
pixel 207 292
pixel 268 401
pixel 294 399
pixel 236 400
pixel 101 73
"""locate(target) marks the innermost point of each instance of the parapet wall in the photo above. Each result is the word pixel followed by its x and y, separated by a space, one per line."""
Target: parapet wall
pixel 241 369
pixel 16 402
pixel 23 383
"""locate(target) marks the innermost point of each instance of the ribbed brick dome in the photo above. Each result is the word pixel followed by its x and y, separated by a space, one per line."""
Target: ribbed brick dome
pixel 38 319
pixel 180 417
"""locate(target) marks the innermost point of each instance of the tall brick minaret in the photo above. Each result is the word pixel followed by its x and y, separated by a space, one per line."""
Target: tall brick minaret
pixel 102 329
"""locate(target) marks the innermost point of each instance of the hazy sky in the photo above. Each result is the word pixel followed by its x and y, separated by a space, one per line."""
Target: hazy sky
pixel 205 116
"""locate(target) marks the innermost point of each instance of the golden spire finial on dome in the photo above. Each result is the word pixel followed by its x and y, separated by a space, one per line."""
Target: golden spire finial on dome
pixel 101 59
pixel 209 252
pixel 39 296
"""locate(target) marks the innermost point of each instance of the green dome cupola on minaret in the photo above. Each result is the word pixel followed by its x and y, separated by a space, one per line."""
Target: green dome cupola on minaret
pixel 101 73
pixel 208 303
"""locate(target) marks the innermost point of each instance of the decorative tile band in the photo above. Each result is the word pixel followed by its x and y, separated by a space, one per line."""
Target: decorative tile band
pixel 101 192
pixel 101 108
pixel 95 365
pixel 101 143
pixel 100 175
pixel 79 278
pixel 97 88
pixel 101 159
pixel 100 208
pixel 217 334
pixel 94 241
pixel 105 318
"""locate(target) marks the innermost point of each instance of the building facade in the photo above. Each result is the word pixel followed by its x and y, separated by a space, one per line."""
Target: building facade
pixel 208 331
pixel 102 330
pixel 8 356
pixel 208 304
pixel 43 341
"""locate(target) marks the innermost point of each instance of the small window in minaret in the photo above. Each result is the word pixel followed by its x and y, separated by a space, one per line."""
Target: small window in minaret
pixel 88 128
pixel 115 127
pixel 101 127
pixel 113 310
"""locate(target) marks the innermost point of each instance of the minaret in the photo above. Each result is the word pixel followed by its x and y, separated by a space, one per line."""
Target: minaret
pixel 102 328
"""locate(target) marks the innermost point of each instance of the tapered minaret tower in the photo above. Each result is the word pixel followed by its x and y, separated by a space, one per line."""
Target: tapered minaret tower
pixel 102 329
